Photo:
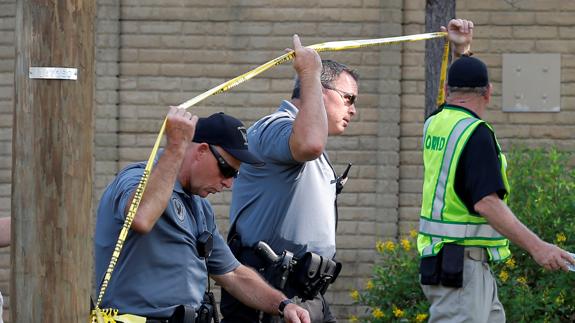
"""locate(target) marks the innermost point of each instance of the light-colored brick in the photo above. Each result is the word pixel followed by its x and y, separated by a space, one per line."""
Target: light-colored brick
pixel 535 32
pixel 532 118
pixel 262 28
pixel 414 171
pixel 567 32
pixel 134 69
pixel 481 19
pixel 491 5
pixel 515 46
pixel 564 118
pixel 205 28
pixel 414 16
pixel 170 41
pixel 7 10
pixel 512 18
pixel 553 132
pixel 291 14
pixel 409 213
pixel 496 32
pixel 554 46
pixel 414 5
pixel 7 23
pixel 410 199
pixel 561 18
pixel 548 5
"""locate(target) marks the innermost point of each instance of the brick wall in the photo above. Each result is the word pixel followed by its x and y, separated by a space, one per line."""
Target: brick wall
pixel 107 93
pixel 151 55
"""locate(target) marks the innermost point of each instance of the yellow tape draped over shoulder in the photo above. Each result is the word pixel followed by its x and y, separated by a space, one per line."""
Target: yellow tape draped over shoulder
pixel 105 316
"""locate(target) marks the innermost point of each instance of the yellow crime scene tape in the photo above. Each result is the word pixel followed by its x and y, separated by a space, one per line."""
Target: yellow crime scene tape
pixel 111 315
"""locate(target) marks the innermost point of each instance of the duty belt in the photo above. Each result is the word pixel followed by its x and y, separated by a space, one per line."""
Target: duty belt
pixel 305 277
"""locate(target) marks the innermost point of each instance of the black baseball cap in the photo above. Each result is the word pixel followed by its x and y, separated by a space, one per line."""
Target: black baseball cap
pixel 468 72
pixel 227 132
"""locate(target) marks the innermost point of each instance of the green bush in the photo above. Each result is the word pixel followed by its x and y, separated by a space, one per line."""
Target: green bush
pixel 543 198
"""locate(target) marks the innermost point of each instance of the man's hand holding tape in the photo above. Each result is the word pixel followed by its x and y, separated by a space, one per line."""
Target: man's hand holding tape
pixel 247 286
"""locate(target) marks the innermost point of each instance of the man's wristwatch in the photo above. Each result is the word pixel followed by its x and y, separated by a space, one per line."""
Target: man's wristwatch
pixel 283 305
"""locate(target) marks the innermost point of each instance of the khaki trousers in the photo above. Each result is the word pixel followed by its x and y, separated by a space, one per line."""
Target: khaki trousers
pixel 475 302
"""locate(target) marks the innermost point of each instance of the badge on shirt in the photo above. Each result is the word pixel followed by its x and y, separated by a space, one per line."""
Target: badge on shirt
pixel 179 208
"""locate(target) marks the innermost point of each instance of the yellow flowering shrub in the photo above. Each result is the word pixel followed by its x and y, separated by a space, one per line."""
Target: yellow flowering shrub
pixel 377 313
pixel 398 312
pixel 369 284
pixel 355 295
pixel 393 293
pixel 503 276
pixel 421 318
pixel 405 244
pixel 389 246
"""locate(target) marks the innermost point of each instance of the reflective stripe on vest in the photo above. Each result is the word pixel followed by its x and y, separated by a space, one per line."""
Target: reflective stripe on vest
pixel 458 230
pixel 495 255
pixel 439 201
pixel 425 126
pixel 428 251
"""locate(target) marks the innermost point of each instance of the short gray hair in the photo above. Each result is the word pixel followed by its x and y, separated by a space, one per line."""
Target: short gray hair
pixel 330 71
pixel 482 90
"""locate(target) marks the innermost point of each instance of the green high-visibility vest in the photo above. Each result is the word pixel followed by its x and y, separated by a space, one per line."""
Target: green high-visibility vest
pixel 444 217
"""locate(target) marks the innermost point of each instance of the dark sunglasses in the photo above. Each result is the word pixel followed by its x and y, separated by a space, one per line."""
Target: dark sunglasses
pixel 348 98
pixel 225 168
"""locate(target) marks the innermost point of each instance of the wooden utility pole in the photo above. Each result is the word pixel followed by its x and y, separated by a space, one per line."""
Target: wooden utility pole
pixel 437 14
pixel 52 165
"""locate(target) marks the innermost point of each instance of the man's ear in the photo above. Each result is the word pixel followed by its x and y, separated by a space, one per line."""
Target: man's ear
pixel 201 150
pixel 489 92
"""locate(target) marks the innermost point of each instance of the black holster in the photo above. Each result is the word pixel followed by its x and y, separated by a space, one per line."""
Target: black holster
pixel 278 273
pixel 445 268
pixel 430 269
pixel 313 275
pixel 452 265
pixel 204 314
pixel 184 314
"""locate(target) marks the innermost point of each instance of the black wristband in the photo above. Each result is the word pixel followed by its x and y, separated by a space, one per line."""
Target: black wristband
pixel 283 305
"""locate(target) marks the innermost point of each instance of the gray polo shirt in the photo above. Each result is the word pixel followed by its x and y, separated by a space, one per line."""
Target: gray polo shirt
pixel 288 204
pixel 161 269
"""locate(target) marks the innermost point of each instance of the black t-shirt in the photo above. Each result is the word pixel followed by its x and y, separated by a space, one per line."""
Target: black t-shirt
pixel 478 171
